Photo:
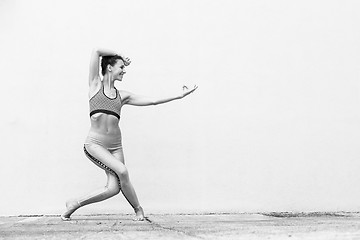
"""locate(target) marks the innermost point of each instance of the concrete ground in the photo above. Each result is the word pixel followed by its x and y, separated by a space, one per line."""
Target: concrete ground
pixel 185 226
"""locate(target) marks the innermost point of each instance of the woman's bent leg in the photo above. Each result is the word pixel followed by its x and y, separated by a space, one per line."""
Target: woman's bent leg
pixel 112 188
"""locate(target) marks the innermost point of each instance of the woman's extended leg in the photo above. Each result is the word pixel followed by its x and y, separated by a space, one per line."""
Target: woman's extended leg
pixel 112 188
pixel 118 154
pixel 115 162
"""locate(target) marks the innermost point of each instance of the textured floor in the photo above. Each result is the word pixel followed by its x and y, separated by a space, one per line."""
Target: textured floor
pixel 187 226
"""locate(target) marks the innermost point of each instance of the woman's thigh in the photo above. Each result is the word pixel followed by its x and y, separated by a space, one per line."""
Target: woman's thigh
pixel 104 156
pixel 119 154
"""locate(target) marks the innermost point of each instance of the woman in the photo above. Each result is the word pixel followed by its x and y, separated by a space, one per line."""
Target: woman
pixel 103 143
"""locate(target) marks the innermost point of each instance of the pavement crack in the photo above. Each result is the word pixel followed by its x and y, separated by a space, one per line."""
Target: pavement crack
pixel 173 229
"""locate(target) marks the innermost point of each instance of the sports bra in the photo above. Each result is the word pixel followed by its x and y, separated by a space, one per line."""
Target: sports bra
pixel 100 103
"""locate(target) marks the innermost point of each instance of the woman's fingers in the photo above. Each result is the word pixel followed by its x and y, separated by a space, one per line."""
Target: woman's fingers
pixel 195 87
pixel 127 61
pixel 187 91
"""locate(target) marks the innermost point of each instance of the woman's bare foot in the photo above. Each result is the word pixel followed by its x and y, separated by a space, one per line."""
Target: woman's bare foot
pixel 71 207
pixel 139 214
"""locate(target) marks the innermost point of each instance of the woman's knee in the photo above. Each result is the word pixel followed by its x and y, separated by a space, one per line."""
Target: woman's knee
pixel 112 189
pixel 123 174
pixel 112 184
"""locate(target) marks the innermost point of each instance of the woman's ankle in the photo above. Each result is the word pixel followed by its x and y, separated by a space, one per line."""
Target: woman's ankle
pixel 139 208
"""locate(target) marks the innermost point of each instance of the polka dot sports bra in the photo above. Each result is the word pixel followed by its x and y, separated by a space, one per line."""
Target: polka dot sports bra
pixel 100 103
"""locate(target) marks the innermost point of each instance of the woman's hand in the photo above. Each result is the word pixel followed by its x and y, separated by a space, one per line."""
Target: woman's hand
pixel 127 61
pixel 187 91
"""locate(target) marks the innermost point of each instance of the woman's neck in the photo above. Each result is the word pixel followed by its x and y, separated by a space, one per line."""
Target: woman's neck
pixel 108 82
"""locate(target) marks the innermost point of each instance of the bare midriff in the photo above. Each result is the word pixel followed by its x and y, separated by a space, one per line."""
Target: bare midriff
pixel 105 124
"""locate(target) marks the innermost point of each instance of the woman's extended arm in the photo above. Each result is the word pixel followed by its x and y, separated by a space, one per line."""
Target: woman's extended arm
pixel 95 60
pixel 138 100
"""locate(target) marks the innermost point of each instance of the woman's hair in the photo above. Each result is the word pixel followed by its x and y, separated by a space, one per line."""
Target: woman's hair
pixel 106 60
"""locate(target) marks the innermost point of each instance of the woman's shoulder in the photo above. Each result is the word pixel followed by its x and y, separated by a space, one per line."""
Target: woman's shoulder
pixel 124 94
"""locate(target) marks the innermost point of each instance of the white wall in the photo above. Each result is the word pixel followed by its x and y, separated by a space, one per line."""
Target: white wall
pixel 274 125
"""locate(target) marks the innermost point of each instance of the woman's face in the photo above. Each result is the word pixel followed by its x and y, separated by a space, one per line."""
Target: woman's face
pixel 118 70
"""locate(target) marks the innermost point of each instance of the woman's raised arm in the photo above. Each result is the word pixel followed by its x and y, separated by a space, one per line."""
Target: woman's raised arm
pixel 94 66
pixel 95 62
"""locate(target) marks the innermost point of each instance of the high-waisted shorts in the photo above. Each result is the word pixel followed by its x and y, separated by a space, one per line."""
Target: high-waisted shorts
pixel 111 143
